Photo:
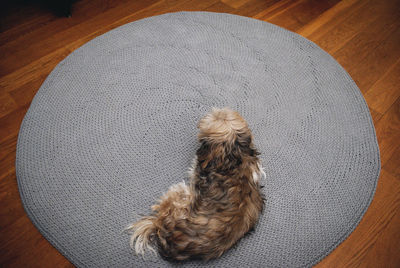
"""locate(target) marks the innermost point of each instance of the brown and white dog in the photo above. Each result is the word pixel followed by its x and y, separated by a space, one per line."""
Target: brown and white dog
pixel 221 203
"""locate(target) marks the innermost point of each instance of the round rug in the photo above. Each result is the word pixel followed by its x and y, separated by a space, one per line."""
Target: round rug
pixel 114 125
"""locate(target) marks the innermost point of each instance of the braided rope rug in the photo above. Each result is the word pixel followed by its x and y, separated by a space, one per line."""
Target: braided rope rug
pixel 114 125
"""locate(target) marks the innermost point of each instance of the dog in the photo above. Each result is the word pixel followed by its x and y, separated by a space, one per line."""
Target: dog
pixel 221 203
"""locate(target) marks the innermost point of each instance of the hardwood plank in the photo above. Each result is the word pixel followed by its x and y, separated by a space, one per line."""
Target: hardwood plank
pixel 253 7
pixel 10 123
pixel 220 7
pixel 386 250
pixel 275 10
pixel 330 19
pixel 35 69
pixel 343 22
pixel 24 94
pixel 375 115
pixel 31 19
pixel 26 26
pixel 191 5
pixel 14 14
pixel 7 156
pixel 362 56
pixel 7 104
pixel 9 197
pixel 393 164
pixel 386 90
pixel 353 252
pixel 234 3
pixel 23 235
pixel 296 15
pixel 53 36
pixel 377 20
pixel 388 132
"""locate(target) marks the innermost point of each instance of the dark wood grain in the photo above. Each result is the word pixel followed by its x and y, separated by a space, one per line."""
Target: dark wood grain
pixel 363 35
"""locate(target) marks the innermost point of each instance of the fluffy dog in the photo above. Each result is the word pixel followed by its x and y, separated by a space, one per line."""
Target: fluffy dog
pixel 221 203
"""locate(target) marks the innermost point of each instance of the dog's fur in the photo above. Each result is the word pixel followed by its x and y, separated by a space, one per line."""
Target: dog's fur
pixel 221 203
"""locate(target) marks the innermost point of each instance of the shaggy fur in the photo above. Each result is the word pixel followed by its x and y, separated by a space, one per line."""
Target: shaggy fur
pixel 221 203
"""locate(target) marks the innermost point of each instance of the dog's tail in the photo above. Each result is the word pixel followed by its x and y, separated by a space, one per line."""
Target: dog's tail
pixel 143 233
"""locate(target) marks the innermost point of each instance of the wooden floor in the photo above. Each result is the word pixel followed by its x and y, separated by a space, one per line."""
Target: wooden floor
pixel 363 35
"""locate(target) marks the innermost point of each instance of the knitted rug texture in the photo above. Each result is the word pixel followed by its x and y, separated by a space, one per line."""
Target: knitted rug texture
pixel 114 125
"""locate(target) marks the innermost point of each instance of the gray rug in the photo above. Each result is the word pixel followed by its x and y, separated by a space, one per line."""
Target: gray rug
pixel 114 125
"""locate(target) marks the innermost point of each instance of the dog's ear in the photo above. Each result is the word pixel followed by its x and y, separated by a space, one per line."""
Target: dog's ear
pixel 204 151
pixel 208 154
pixel 243 139
pixel 244 144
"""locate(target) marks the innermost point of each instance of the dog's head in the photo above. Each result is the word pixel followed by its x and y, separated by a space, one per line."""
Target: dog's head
pixel 223 125
pixel 226 140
